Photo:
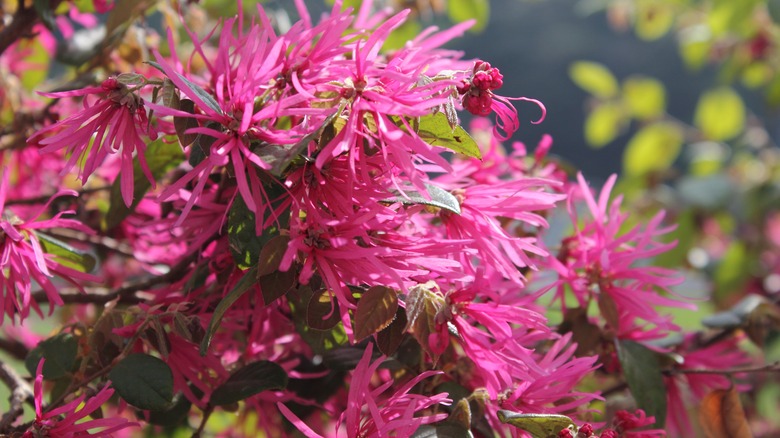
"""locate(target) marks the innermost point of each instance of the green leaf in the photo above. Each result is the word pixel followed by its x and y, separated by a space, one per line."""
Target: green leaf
pixel 245 245
pixel 375 311
pixel 644 97
pixel 442 430
pixel 45 12
pixel 280 156
pixel 654 148
pixel 594 78
pixel 252 379
pixel 242 286
pixel 143 381
pixel 643 374
pixel 60 353
pixel 720 114
pixel 161 158
pixel 603 124
pixel 173 416
pixel 389 339
pixel 437 197
pixel 320 341
pixel 66 255
pixel 400 35
pixel 462 10
pixel 194 89
pixel 538 425
pixel 435 130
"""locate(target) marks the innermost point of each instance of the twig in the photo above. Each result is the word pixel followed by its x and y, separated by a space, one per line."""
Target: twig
pixel 44 198
pixel 20 393
pixel 771 368
pixel 13 347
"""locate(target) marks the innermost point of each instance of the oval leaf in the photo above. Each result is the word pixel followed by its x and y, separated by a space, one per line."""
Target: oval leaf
pixel 183 124
pixel 603 124
pixel 271 255
pixel 644 97
pixel 322 312
pixel 720 114
pixel 375 311
pixel 252 379
pixel 435 130
pixel 643 375
pixel 538 425
pixel 594 78
pixel 437 197
pixel 389 339
pixel 143 381
pixel 276 285
pixel 654 148
pixel 60 353
pixel 66 255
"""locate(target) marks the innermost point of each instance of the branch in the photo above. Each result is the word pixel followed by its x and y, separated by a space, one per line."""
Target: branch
pixel 770 368
pixel 16 349
pixel 20 393
pixel 45 198
pixel 22 24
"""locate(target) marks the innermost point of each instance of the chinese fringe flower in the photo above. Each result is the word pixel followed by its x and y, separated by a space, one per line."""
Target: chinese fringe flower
pixel 23 261
pixel 65 421
pixel 113 121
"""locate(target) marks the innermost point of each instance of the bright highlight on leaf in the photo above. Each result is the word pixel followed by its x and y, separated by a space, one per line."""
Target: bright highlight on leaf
pixel 653 149
pixel 594 78
pixel 720 114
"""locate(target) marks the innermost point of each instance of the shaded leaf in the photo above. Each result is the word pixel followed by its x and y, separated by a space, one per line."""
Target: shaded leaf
pixel 538 425
pixel 720 114
pixel 435 130
pixel 320 341
pixel 271 255
pixel 585 334
pixel 66 255
pixel 422 305
pixel 143 381
pixel 276 284
pixel 280 156
pixel 245 244
pixel 252 379
pixel 60 352
pixel 389 339
pixel 182 124
pixel 242 286
pixel 721 415
pixel 173 416
pixel 322 312
pixel 594 78
pixel 375 311
pixel 643 374
pixel 161 157
pixel 442 430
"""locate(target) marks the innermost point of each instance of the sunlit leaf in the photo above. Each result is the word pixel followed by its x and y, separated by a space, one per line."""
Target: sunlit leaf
pixel 462 10
pixel 538 425
pixel 436 197
pixel 603 124
pixel 594 78
pixel 375 311
pixel 720 114
pixel 653 19
pixel 644 97
pixel 66 255
pixel 435 130
pixel 654 148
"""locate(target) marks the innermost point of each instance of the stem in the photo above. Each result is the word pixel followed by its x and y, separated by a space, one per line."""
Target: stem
pixel 203 421
pixel 20 393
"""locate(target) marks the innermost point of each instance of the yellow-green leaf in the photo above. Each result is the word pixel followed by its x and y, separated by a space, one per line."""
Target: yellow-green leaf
pixel 653 19
pixel 435 130
pixel 654 148
pixel 594 78
pixel 720 114
pixel 603 124
pixel 645 97
pixel 462 10
pixel 538 425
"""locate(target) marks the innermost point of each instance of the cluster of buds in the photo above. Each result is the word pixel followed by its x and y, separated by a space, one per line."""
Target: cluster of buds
pixel 477 91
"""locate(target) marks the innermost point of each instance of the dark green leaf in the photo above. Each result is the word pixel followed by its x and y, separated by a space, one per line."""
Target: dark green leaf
pixel 250 380
pixel 322 304
pixel 245 244
pixel 45 12
pixel 161 157
pixel 182 124
pixel 66 255
pixel 645 380
pixel 389 339
pixel 442 430
pixel 438 198
pixel 435 130
pixel 375 311
pixel 143 381
pixel 242 286
pixel 60 353
pixel 175 415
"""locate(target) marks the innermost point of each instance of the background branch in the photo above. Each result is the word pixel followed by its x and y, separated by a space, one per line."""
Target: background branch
pixel 20 393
